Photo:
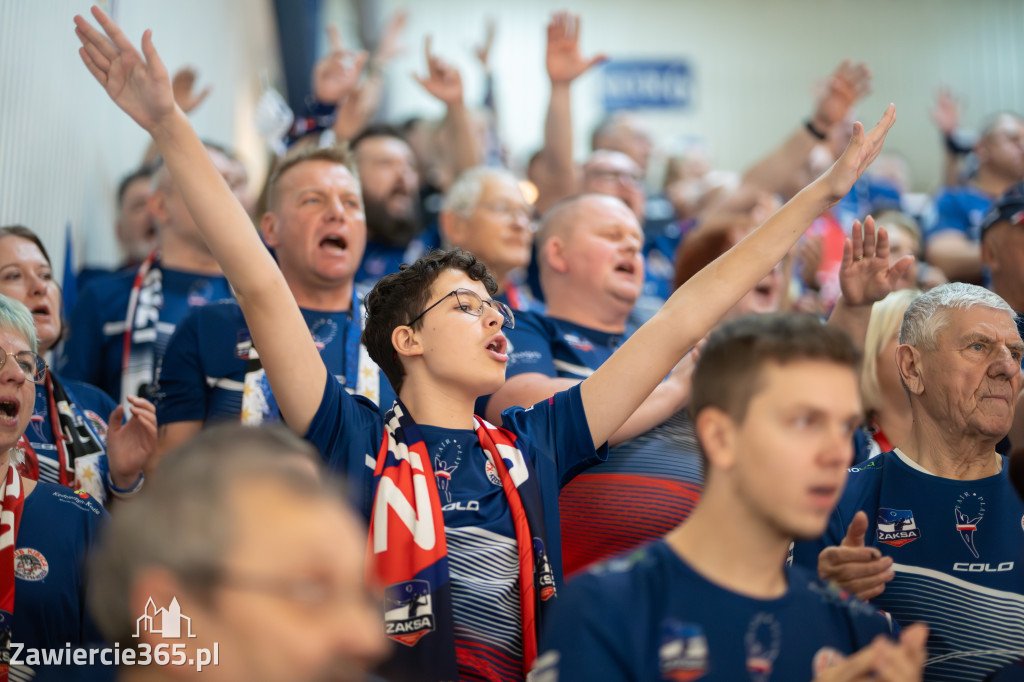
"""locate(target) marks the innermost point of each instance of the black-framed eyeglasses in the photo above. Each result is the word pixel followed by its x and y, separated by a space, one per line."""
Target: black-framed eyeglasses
pixel 471 303
pixel 31 365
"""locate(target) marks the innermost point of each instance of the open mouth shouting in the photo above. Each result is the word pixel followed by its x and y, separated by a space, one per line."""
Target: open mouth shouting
pixel 10 407
pixel 498 347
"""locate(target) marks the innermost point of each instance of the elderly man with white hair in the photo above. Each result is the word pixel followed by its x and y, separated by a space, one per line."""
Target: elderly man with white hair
pixel 931 531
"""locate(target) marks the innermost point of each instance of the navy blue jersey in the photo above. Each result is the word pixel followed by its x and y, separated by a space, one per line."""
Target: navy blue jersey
pixel 648 485
pixel 382 259
pixel 482 551
pixel 958 209
pixel 58 526
pixel 208 357
pixel 94 350
pixel 649 616
pixel 956 547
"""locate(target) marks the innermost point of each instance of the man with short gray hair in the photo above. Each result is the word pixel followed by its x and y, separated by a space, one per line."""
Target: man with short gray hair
pixel 485 213
pixel 931 531
pixel 241 537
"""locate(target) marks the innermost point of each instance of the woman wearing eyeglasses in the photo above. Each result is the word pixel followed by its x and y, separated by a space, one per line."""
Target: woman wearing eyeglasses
pixel 45 529
pixel 67 440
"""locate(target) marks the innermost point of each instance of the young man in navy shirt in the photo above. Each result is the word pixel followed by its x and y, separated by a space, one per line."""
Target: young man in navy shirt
pixel 776 402
pixel 436 332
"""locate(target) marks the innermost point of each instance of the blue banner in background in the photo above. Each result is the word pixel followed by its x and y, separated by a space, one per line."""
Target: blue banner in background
pixel 647 84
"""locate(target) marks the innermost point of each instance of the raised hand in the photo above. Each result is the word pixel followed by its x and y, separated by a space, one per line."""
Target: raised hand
pixel 337 74
pixel 564 62
pixel 855 567
pixel 847 84
pixel 140 87
pixel 860 152
pixel 883 660
pixel 443 80
pixel 131 445
pixel 182 83
pixel 865 275
pixel 946 113
pixel 390 46
pixel 483 51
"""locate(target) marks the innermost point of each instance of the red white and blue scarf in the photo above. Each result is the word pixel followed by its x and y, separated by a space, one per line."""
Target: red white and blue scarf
pixel 408 555
pixel 12 503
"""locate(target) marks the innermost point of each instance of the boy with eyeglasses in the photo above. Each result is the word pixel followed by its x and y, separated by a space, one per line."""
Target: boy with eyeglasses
pixel 464 576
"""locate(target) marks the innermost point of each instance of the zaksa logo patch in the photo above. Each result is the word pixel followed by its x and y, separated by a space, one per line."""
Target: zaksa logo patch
pixel 896 527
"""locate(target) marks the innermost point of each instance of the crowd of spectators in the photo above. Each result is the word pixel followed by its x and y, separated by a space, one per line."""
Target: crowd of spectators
pixel 414 414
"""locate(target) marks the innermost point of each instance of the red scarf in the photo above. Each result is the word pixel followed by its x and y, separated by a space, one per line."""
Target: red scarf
pixel 13 503
pixel 407 553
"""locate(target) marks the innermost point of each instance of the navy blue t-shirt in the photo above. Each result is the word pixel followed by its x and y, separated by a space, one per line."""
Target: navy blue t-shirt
pixel 956 547
pixel 94 349
pixel 482 551
pixel 208 357
pixel 647 486
pixel 958 209
pixel 58 526
pixel 381 259
pixel 649 616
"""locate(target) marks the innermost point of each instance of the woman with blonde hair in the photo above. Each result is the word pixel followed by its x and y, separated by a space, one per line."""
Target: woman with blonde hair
pixel 886 407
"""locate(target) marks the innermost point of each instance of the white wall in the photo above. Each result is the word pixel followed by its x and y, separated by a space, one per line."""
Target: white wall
pixel 755 61
pixel 64 146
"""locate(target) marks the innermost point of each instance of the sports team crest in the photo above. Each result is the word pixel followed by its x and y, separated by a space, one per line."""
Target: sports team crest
pixel 683 654
pixel 30 564
pixel 578 342
pixel 970 507
pixel 763 642
pixel 408 613
pixel 896 527
pixel 323 331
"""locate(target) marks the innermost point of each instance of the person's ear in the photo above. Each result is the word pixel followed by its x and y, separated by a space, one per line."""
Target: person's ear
pixel 908 360
pixel 555 254
pixel 405 341
pixel 156 204
pixel 717 434
pixel 269 228
pixel 453 227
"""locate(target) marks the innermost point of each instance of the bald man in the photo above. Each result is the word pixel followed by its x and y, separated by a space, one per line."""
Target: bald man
pixel 592 274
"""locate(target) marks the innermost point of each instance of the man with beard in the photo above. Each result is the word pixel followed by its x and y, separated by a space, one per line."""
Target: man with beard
pixel 394 225
pixel 396 229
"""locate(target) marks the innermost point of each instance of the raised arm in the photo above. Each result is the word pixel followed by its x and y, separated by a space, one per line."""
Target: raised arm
pixel 865 277
pixel 444 82
pixel 140 86
pixel 619 385
pixel 564 65
pixel 775 172
pixel 183 84
pixel 361 106
pixel 336 75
